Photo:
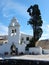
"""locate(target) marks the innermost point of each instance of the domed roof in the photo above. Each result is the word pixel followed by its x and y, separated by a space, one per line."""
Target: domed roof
pixel 14 22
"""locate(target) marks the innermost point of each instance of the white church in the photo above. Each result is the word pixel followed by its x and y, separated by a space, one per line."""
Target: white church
pixel 15 42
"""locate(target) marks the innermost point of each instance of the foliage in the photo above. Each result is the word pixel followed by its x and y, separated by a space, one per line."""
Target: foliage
pixel 36 22
pixel 31 43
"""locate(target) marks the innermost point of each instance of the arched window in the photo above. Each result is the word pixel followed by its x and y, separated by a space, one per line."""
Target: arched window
pixel 13 46
pixel 14 50
pixel 13 32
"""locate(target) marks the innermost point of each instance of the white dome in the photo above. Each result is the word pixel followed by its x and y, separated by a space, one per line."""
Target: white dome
pixel 14 22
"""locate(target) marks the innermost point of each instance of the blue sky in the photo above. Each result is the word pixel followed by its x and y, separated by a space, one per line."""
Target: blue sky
pixel 18 9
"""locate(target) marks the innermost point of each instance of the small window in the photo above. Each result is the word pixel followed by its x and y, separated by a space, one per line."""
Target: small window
pixel 12 31
pixel 22 38
pixel 27 38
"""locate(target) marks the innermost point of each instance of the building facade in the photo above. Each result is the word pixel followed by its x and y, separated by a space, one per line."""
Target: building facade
pixel 14 42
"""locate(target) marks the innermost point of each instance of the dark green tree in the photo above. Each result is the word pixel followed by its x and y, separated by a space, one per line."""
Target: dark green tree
pixel 36 22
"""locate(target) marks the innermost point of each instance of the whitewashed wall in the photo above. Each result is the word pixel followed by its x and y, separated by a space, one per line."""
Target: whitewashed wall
pixel 45 51
pixel 21 48
pixel 4 48
pixel 13 39
pixel 35 50
pixel 24 36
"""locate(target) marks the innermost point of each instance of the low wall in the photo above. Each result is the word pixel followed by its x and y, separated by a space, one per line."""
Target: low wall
pixel 45 51
pixel 35 50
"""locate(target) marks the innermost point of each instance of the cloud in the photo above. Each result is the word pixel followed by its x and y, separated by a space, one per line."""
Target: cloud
pixel 3 29
pixel 8 6
pixel 5 15
pixel 16 7
pixel 45 34
pixel 28 32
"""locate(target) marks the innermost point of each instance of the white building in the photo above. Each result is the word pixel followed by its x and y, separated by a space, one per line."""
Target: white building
pixel 15 41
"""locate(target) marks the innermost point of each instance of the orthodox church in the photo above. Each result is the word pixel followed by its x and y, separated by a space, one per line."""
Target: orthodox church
pixel 15 42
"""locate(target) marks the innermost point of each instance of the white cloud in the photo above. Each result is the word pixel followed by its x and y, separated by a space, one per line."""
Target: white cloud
pixel 48 26
pixel 16 7
pixel 5 15
pixel 45 34
pixel 28 32
pixel 3 29
pixel 21 9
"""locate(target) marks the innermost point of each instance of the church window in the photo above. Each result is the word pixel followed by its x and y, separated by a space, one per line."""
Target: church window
pixel 22 39
pixel 13 49
pixel 12 31
pixel 27 38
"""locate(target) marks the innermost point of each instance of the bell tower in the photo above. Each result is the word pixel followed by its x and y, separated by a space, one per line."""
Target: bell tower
pixel 13 32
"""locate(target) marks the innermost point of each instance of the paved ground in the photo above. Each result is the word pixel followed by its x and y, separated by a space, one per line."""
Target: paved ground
pixel 37 57
pixel 21 60
pixel 29 57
